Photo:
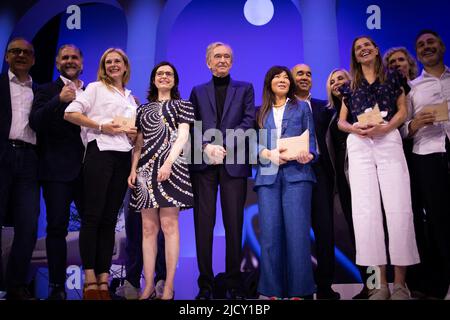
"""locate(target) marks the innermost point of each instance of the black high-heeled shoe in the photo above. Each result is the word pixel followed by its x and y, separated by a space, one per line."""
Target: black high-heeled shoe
pixel 173 297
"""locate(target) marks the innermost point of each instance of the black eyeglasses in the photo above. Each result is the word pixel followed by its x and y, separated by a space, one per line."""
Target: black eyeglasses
pixel 168 74
pixel 19 51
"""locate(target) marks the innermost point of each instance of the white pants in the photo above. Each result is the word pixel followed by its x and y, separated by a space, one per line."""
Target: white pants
pixel 378 165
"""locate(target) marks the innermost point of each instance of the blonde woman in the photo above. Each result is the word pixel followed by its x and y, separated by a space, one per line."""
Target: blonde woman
pixel 106 166
pixel 399 58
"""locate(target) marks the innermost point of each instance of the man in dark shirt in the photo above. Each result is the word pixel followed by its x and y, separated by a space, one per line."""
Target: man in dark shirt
pixel 220 104
pixel 322 197
pixel 61 151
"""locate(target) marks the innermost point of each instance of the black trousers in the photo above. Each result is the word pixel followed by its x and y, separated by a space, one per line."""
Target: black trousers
pixel 233 192
pixel 19 198
pixel 104 185
pixel 322 224
pixel 430 174
pixel 58 196
pixel 134 260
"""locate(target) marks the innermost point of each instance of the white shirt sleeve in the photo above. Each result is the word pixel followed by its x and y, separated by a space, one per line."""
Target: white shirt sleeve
pixel 84 101
pixel 404 129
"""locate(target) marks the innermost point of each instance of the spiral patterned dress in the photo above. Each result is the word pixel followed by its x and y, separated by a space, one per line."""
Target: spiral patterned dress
pixel 158 122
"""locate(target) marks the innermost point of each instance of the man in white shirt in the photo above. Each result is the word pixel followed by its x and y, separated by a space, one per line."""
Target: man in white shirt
pixel 61 151
pixel 431 162
pixel 19 187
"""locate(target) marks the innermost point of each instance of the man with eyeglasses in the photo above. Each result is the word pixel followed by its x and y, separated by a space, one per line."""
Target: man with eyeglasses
pixel 19 187
pixel 61 151
pixel 221 104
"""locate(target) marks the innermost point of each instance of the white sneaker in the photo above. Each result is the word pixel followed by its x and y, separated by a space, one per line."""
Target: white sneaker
pixel 159 288
pixel 380 294
pixel 128 291
pixel 400 293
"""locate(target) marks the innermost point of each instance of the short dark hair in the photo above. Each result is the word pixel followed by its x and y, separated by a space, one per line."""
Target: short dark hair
pixel 152 95
pixel 428 31
pixel 69 45
pixel 20 39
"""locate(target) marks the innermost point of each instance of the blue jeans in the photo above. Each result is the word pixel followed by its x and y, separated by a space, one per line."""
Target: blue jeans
pixel 285 221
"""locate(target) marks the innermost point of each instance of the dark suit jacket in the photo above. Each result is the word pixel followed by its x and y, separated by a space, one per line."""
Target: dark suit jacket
pixel 238 113
pixel 322 118
pixel 59 143
pixel 5 111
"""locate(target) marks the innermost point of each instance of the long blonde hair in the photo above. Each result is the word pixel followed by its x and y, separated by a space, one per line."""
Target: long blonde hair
pixel 101 73
pixel 413 70
pixel 329 93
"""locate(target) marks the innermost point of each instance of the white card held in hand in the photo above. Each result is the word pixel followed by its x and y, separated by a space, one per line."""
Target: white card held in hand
pixel 294 145
pixel 440 111
pixel 371 117
pixel 125 122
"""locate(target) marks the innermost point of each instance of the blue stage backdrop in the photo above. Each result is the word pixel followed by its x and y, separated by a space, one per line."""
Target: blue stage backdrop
pixel 262 33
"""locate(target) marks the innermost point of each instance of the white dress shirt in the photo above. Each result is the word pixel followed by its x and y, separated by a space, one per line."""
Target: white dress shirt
pixel 278 114
pixel 427 90
pixel 101 104
pixel 21 102
pixel 78 91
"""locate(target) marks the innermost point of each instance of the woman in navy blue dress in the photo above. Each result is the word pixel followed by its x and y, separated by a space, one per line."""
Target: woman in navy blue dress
pixel 159 175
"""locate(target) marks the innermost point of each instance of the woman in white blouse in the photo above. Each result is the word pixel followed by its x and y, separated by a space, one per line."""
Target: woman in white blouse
pixel 106 165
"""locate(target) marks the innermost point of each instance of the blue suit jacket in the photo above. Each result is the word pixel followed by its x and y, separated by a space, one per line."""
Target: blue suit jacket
pixel 238 113
pixel 297 118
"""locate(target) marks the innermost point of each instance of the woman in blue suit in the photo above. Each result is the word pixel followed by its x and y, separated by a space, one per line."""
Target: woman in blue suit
pixel 284 191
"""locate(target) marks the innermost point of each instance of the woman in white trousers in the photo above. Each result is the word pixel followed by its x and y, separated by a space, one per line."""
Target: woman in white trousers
pixel 377 166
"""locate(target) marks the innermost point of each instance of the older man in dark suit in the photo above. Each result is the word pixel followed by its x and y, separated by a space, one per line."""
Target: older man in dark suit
pixel 61 151
pixel 221 104
pixel 19 187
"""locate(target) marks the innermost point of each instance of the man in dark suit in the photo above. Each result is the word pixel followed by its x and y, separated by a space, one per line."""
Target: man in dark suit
pixel 220 104
pixel 61 151
pixel 19 187
pixel 322 197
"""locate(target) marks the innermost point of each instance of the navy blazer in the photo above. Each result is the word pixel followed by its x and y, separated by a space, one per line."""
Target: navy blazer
pixel 6 111
pixel 238 113
pixel 59 142
pixel 297 118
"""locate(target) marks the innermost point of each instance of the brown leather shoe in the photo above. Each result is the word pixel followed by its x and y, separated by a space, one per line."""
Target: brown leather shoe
pixel 104 294
pixel 91 294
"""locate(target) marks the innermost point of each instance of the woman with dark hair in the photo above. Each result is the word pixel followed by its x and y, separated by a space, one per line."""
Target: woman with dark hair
pixel 159 173
pixel 284 188
pixel 377 165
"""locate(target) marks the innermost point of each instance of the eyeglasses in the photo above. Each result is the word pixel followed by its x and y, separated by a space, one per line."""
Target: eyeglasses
pixel 165 73
pixel 19 51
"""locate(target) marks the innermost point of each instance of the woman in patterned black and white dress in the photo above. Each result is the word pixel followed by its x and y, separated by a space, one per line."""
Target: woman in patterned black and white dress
pixel 159 175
